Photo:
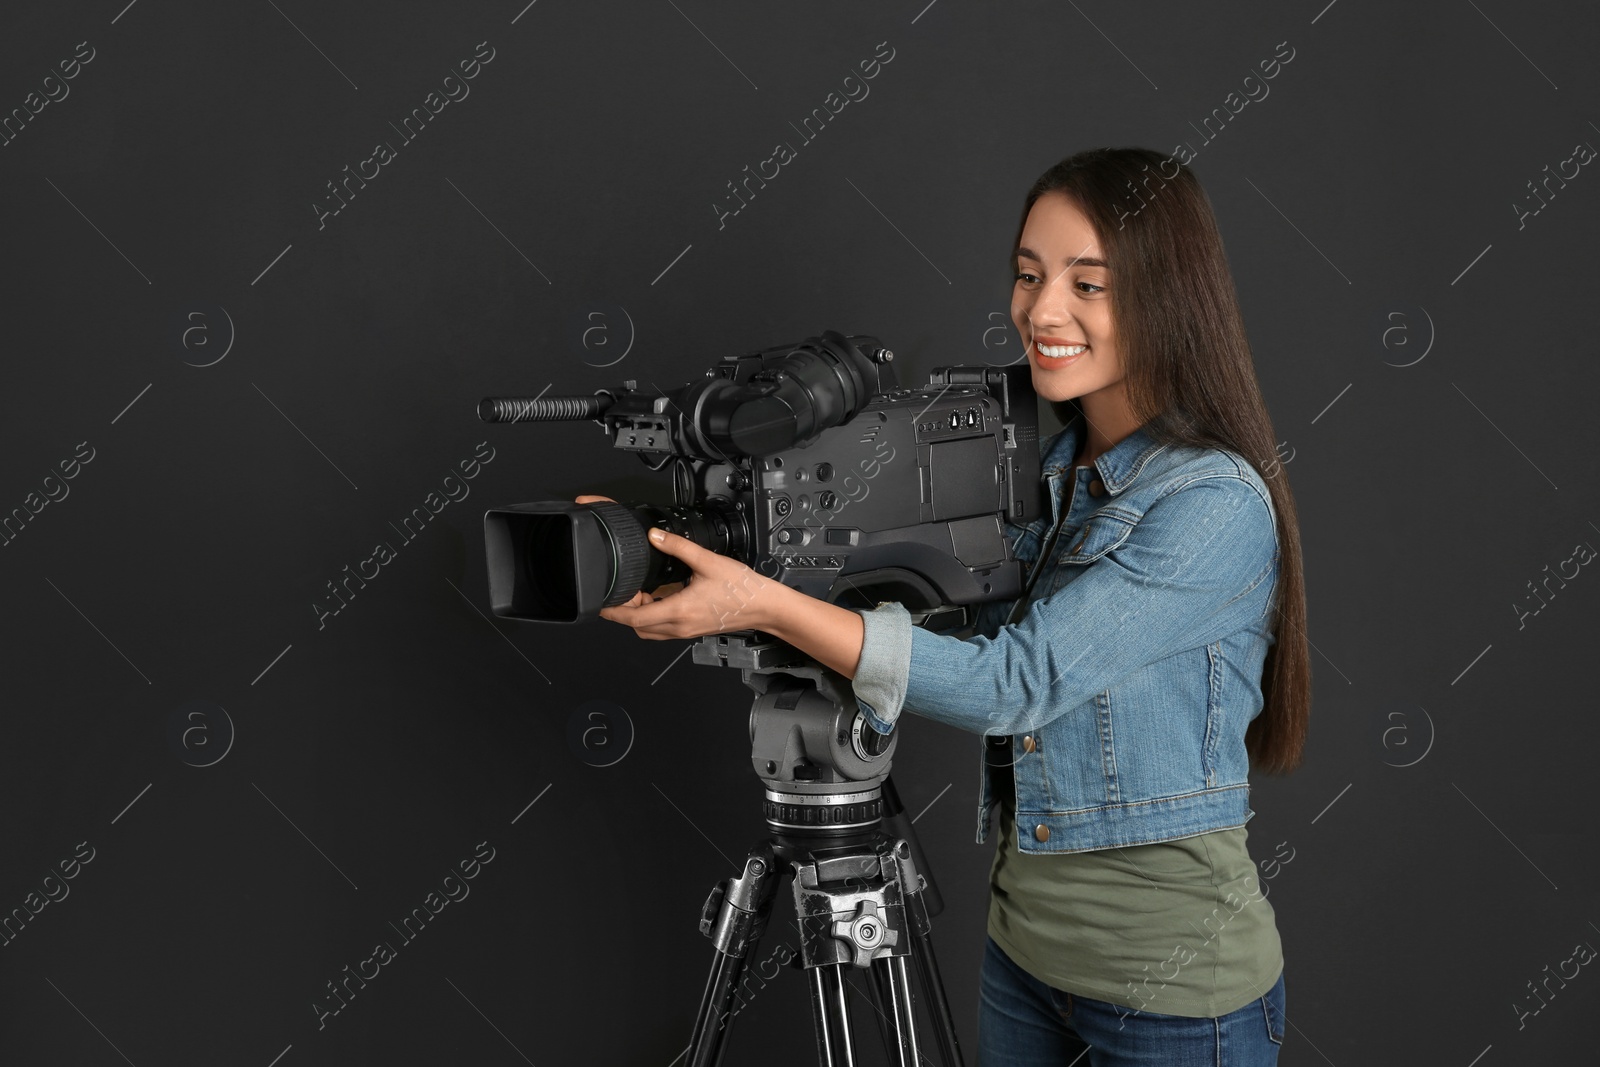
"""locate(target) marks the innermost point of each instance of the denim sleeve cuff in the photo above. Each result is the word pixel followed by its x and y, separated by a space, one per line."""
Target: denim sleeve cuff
pixel 880 680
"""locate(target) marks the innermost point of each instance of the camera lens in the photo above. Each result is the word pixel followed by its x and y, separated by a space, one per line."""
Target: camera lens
pixel 550 567
pixel 559 561
pixel 721 530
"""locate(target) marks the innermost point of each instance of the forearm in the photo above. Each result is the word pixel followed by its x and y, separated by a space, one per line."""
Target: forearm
pixel 827 633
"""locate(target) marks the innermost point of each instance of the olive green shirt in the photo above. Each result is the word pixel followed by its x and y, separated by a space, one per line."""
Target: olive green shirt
pixel 1170 928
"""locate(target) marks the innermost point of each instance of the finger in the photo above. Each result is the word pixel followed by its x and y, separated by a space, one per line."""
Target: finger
pixel 679 546
pixel 642 615
pixel 634 601
pixel 591 499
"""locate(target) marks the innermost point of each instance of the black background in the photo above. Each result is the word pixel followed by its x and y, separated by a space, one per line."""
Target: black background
pixel 1428 362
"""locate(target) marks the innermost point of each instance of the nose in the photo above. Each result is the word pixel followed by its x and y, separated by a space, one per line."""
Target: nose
pixel 1049 307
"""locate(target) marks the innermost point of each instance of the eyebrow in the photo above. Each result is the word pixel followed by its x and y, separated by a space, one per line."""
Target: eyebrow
pixel 1078 261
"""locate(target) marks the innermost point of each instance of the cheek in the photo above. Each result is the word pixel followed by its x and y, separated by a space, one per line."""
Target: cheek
pixel 1100 323
pixel 1019 315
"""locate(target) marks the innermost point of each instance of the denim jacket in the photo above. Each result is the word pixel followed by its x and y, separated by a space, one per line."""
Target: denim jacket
pixel 1121 695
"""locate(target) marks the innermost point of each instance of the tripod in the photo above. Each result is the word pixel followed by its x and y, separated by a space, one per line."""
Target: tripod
pixel 863 892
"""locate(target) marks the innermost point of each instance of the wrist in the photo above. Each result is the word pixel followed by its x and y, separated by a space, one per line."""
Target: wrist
pixel 769 607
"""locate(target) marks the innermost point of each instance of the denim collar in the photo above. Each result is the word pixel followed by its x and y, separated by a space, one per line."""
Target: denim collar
pixel 1118 466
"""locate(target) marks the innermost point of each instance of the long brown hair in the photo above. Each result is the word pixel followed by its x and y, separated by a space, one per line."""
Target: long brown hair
pixel 1190 375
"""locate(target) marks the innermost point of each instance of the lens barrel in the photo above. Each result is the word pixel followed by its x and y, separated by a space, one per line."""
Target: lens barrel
pixel 557 561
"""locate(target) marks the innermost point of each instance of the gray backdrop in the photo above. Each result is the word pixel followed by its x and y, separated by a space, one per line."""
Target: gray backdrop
pixel 225 385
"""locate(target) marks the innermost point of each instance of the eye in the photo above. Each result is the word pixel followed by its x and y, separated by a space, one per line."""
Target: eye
pixel 1024 276
pixel 1091 287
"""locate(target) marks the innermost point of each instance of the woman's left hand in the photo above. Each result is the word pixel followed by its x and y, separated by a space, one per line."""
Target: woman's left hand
pixel 721 594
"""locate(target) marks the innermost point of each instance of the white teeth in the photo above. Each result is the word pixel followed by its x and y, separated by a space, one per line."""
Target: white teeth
pixel 1058 351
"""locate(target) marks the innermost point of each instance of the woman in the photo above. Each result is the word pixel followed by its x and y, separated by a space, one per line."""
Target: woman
pixel 1158 653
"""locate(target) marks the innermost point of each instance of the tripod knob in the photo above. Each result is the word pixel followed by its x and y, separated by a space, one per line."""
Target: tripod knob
pixel 866 933
pixel 712 909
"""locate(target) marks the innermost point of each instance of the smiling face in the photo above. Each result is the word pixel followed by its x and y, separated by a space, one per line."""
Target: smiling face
pixel 1061 305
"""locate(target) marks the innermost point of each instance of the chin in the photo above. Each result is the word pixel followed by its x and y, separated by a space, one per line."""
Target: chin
pixel 1053 391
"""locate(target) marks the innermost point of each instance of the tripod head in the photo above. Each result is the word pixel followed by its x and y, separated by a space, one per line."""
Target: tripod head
pixel 809 743
pixel 826 770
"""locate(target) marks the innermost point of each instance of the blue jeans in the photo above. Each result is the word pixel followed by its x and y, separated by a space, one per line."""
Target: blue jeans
pixel 1022 1022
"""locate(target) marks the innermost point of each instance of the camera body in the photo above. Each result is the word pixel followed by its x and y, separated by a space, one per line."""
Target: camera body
pixel 810 464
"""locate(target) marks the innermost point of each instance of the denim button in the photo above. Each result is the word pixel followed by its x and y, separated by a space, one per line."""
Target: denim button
pixel 1097 488
pixel 1041 832
pixel 1027 743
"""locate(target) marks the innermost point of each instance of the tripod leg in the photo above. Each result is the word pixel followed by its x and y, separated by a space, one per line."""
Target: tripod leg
pixel 831 1012
pixel 716 1011
pixel 920 927
pixel 898 986
pixel 883 1006
pixel 734 917
pixel 934 996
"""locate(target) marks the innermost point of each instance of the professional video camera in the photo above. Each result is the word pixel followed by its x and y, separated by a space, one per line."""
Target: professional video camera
pixel 808 463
